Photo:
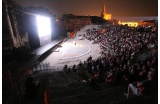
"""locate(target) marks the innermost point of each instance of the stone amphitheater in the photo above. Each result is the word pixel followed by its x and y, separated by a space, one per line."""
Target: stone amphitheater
pixel 57 87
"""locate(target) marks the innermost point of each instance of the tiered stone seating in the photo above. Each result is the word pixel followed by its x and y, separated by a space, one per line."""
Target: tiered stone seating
pixel 89 27
pixel 95 97
pixel 153 99
pixel 68 89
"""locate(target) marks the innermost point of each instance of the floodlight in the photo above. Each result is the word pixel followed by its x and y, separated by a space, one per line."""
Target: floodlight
pixel 44 25
pixel 44 29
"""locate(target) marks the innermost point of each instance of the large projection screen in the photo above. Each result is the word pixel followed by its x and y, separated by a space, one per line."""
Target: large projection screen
pixel 44 29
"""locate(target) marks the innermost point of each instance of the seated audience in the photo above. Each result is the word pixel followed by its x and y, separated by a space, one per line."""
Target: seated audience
pixel 141 88
pixel 111 78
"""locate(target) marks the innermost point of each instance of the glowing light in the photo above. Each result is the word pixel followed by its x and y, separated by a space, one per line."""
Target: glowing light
pixel 44 26
pixel 107 16
pixel 57 20
pixel 44 29
pixel 131 24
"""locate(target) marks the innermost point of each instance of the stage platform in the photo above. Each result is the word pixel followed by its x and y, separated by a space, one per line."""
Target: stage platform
pixel 41 50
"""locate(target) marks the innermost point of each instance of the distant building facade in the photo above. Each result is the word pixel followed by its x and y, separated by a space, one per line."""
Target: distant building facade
pixel 104 15
pixel 75 23
pixel 140 23
pixel 130 24
pixel 147 23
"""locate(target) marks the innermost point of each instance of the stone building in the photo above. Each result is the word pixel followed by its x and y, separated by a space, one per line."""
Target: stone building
pixel 75 23
pixel 104 15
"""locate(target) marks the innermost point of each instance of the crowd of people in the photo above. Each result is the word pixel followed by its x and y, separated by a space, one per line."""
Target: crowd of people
pixel 118 65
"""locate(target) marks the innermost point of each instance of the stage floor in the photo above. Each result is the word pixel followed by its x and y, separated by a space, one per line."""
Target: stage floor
pixel 74 49
pixel 72 52
pixel 41 50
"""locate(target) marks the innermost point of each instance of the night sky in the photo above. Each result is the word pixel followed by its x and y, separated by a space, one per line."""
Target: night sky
pixel 118 8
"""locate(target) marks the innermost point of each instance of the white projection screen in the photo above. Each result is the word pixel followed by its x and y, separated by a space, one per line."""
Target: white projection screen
pixel 44 29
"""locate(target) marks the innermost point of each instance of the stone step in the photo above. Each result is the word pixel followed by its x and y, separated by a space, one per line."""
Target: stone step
pixel 70 92
pixel 98 97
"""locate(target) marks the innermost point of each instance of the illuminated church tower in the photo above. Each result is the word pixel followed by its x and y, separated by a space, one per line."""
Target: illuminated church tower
pixel 105 15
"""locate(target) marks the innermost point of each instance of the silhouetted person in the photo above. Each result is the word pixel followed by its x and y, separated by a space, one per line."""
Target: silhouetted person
pixel 31 88
pixel 74 68
pixel 65 68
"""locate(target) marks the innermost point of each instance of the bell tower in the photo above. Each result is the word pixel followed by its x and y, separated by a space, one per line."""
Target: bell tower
pixel 103 12
pixel 104 8
pixel 104 15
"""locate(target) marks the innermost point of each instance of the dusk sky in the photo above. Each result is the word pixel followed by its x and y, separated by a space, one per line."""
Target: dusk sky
pixel 118 8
